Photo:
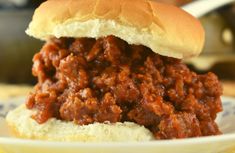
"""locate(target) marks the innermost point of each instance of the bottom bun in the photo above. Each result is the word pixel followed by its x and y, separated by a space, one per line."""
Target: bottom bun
pixel 23 126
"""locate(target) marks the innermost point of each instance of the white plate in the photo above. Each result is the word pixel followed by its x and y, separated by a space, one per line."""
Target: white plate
pixel 214 144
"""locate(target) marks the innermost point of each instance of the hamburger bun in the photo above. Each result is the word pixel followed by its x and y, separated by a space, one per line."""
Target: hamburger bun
pixel 23 126
pixel 166 29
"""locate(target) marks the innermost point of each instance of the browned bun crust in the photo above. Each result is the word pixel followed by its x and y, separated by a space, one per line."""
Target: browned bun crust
pixel 166 29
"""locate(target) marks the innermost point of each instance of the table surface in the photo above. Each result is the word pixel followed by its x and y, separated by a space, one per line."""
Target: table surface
pixel 12 91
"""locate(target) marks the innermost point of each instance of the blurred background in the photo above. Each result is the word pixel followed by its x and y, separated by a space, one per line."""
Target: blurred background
pixel 17 49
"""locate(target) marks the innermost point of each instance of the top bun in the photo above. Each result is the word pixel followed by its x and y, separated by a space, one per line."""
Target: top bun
pixel 166 29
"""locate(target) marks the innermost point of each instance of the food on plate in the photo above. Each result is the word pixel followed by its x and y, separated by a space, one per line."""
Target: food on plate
pixel 114 72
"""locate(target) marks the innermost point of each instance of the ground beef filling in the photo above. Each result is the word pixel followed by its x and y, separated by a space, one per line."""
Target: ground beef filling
pixel 87 80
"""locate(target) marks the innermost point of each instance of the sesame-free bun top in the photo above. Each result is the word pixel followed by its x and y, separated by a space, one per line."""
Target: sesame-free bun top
pixel 165 29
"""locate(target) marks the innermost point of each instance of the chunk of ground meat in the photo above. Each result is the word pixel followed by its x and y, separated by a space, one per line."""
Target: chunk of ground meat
pixel 179 125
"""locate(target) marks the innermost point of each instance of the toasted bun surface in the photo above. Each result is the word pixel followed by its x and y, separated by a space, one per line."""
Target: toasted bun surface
pixel 22 125
pixel 166 29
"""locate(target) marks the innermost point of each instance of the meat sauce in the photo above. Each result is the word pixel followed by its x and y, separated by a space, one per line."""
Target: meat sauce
pixel 88 80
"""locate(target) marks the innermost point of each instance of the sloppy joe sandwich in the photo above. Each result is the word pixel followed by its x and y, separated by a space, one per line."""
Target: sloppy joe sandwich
pixel 113 71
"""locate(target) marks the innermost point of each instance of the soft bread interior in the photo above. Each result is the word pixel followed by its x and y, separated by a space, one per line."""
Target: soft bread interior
pixel 22 125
